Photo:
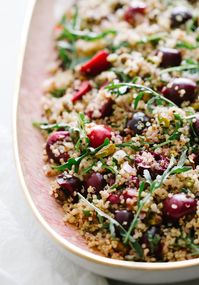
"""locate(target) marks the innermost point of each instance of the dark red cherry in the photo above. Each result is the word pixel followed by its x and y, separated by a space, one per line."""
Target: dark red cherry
pixel 180 90
pixel 105 110
pixel 170 57
pixel 95 180
pixel 196 158
pixel 134 180
pixel 114 199
pixel 69 183
pixel 179 205
pixel 124 217
pixel 179 16
pixel 98 134
pixel 138 123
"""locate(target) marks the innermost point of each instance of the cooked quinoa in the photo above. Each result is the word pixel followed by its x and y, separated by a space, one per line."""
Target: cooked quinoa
pixel 121 123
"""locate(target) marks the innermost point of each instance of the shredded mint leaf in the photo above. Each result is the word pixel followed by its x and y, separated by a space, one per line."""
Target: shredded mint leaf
pixel 182 159
pixel 65 58
pixel 184 67
pixel 188 242
pixel 115 89
pixel 153 241
pixel 70 163
pixel 88 169
pixel 58 93
pixel 73 35
pixel 174 136
pixel 140 190
pixel 181 170
pixel 108 167
pixel 101 219
pixel 67 55
pixel 191 25
pixel 51 127
pixel 83 138
pixel 193 247
pixel 123 77
pixel 128 144
pixel 136 246
pixel 154 39
pixel 86 213
pixel 115 48
pixel 137 99
pixel 75 17
pixel 186 45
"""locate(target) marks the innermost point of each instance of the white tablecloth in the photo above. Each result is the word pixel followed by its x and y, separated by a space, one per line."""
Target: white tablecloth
pixel 27 257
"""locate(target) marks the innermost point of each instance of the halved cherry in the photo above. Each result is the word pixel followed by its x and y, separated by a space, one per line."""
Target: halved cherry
pixel 54 143
pixel 114 199
pixel 98 134
pixel 105 110
pixel 179 205
pixel 135 9
pixel 179 16
pixel 69 183
pixel 180 90
pixel 95 180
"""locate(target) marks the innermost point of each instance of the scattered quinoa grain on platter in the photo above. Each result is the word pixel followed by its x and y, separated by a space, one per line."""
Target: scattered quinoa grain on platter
pixel 120 121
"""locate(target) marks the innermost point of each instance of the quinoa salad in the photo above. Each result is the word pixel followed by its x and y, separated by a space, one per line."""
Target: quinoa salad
pixel 120 120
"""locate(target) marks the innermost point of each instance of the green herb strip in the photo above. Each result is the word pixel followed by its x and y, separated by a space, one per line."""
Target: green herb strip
pixel 187 45
pixel 115 87
pixel 122 44
pixel 140 190
pixel 83 138
pixel 67 55
pixel 50 127
pixel 189 243
pixel 194 248
pixel 154 39
pixel 58 93
pixel 75 18
pixel 174 136
pixel 128 144
pixel 73 35
pixel 185 67
pixel 137 99
pixel 76 161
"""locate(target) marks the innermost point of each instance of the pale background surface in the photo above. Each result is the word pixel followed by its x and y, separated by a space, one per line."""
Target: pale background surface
pixel 26 256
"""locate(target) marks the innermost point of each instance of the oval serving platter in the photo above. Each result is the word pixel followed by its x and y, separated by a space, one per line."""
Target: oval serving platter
pixel 37 51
